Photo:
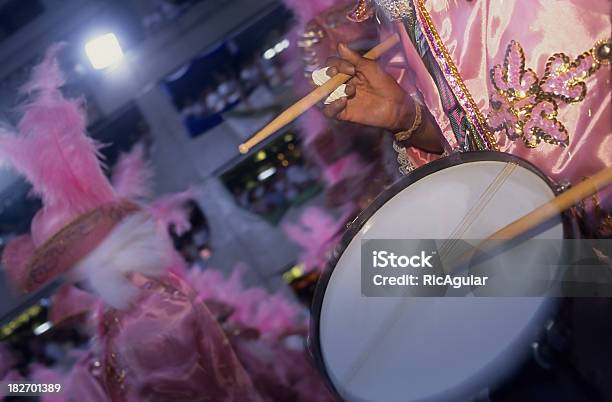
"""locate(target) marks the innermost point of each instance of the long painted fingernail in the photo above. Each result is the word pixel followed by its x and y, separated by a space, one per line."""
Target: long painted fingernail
pixel 320 76
pixel 338 93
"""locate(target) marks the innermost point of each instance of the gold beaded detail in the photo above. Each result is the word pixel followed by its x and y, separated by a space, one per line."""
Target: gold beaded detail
pixel 525 106
pixel 602 51
pixel 395 9
pixel 362 11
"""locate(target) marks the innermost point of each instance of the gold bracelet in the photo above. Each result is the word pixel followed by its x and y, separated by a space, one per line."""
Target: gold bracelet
pixel 418 119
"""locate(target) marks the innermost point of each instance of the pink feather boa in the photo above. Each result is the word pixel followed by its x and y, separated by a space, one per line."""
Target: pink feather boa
pixel 171 212
pixel 272 314
pixel 317 232
pixel 133 175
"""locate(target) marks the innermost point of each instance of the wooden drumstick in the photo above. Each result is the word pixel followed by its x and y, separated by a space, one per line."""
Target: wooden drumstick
pixel 320 93
pixel 562 202
pixel 541 214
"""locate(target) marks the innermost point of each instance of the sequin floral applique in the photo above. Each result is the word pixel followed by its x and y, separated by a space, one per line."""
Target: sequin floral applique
pixel 526 107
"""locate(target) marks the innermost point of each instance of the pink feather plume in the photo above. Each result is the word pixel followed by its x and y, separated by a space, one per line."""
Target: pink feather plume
pixel 133 175
pixel 51 148
pixel 170 211
pixel 271 314
pixel 317 232
pixel 349 165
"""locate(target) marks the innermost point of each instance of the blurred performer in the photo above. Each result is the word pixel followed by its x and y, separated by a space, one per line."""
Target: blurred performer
pixel 121 251
pixel 520 77
pixel 157 339
pixel 355 164
pixel 350 159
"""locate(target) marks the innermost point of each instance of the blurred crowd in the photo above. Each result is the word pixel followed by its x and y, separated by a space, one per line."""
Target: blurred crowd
pixel 279 191
pixel 230 86
pixel 163 12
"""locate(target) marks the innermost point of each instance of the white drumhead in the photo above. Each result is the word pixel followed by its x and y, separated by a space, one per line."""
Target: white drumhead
pixel 439 348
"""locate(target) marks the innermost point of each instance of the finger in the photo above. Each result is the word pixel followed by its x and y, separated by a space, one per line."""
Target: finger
pixel 334 108
pixel 351 56
pixel 337 65
pixel 350 90
pixel 359 79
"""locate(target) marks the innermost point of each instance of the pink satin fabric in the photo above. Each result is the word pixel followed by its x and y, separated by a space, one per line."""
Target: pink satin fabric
pixel 168 347
pixel 82 383
pixel 477 34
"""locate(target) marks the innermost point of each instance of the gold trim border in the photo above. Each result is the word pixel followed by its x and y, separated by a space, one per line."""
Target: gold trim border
pixel 455 72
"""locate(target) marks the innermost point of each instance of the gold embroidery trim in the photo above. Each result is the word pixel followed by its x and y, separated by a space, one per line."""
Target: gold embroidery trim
pixel 455 73
pixel 395 9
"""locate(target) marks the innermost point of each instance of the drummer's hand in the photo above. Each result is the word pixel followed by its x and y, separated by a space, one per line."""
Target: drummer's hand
pixel 374 98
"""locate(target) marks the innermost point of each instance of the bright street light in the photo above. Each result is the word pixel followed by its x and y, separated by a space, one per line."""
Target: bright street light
pixel 104 51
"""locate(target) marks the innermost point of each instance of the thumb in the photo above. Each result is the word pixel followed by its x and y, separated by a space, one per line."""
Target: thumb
pixel 350 55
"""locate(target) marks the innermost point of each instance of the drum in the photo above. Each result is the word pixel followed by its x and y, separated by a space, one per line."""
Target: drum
pixel 437 348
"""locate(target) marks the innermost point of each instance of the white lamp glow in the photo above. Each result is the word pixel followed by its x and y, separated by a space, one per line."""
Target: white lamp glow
pixel 266 173
pixel 42 328
pixel 104 51
pixel 268 54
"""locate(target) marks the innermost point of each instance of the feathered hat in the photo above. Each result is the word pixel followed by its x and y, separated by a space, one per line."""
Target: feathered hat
pixel 85 223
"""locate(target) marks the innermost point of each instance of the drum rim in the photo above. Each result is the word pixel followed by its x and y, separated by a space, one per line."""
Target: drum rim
pixel 314 344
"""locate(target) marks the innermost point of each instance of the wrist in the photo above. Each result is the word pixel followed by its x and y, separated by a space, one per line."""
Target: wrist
pixel 409 122
pixel 404 116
